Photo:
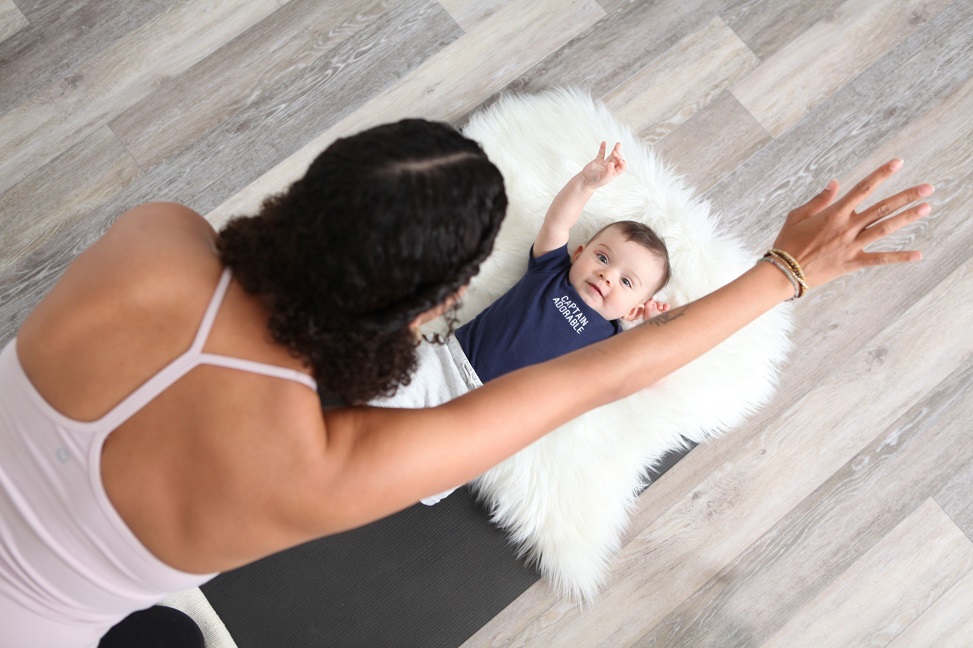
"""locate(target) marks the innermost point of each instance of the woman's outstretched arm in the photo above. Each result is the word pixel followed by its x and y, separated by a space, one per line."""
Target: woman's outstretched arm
pixel 381 461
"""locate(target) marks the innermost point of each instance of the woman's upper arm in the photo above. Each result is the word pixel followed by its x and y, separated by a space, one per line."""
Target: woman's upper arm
pixel 379 461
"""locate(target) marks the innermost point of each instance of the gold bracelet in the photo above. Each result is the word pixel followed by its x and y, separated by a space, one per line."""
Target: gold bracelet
pixel 791 261
pixel 795 267
pixel 787 273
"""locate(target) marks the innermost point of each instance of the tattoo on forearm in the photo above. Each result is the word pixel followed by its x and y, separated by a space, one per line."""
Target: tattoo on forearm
pixel 665 318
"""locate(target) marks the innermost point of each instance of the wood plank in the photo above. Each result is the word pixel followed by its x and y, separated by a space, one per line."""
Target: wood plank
pixel 612 5
pixel 603 57
pixel 274 52
pixel 955 498
pixel 85 175
pixel 503 46
pixel 728 508
pixel 821 538
pixel 40 225
pixel 469 13
pixel 895 582
pixel 812 67
pixel 62 36
pixel 683 81
pixel 713 142
pixel 57 117
pixel 11 22
pixel 947 624
pixel 767 27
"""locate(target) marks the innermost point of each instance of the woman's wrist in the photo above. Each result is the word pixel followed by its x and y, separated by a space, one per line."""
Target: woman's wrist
pixel 790 268
pixel 777 281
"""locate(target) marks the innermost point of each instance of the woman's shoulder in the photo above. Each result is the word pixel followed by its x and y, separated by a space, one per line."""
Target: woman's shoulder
pixel 162 211
pixel 155 257
pixel 156 264
pixel 163 227
pixel 154 242
pixel 167 214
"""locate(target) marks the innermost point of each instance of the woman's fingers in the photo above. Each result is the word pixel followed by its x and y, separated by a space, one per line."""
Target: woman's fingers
pixel 880 230
pixel 863 189
pixel 891 205
pixel 868 259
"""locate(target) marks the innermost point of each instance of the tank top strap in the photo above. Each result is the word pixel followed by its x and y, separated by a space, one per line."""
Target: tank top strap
pixel 173 371
pixel 206 325
pixel 252 366
pixel 228 362
pixel 194 357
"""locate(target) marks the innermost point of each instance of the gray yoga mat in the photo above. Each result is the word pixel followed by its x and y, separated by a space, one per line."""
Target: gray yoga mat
pixel 426 577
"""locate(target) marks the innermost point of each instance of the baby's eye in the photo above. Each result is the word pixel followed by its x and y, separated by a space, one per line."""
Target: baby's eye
pixel 626 282
pixel 603 258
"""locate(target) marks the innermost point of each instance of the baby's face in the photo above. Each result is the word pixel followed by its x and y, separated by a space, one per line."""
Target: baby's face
pixel 614 276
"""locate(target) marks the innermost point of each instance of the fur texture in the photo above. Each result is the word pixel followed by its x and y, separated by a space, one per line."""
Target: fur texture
pixel 566 499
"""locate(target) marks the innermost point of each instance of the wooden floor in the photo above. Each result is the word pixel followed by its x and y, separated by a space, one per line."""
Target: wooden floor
pixel 838 516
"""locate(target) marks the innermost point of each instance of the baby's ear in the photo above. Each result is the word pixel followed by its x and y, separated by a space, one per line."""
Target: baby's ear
pixel 635 314
pixel 577 253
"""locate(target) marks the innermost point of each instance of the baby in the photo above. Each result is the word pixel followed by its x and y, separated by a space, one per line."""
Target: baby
pixel 564 301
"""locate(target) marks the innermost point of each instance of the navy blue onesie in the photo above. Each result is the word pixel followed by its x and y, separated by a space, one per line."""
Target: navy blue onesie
pixel 541 317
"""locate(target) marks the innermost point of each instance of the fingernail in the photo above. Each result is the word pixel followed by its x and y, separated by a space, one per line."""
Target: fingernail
pixel 926 190
pixel 896 164
pixel 924 209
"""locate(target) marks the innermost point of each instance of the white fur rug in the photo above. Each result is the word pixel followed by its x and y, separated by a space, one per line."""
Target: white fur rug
pixel 565 500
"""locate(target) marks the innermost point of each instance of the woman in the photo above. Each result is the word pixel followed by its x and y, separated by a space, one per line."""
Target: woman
pixel 159 415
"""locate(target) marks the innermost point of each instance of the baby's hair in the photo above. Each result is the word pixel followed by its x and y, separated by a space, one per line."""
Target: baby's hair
pixel 647 238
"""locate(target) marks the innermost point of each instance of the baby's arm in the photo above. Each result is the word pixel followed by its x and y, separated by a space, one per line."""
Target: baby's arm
pixel 565 209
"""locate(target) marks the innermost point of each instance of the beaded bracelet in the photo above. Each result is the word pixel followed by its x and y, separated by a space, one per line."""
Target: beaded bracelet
pixel 787 273
pixel 791 269
pixel 795 267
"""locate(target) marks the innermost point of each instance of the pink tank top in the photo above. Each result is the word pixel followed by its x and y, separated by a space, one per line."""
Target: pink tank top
pixel 65 554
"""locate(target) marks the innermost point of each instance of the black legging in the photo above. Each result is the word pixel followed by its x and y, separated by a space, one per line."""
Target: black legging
pixel 156 627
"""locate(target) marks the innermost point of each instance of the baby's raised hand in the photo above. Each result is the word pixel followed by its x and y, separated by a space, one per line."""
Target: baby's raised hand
pixel 654 308
pixel 602 169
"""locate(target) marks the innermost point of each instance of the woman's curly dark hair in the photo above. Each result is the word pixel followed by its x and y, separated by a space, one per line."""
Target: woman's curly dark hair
pixel 385 225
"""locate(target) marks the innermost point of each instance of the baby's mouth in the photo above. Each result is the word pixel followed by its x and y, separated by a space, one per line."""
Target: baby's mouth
pixel 596 289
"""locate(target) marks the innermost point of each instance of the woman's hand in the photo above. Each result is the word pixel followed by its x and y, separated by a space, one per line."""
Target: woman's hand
pixel 828 238
pixel 603 170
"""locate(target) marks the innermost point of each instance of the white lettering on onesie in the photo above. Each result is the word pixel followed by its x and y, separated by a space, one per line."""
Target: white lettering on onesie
pixel 574 315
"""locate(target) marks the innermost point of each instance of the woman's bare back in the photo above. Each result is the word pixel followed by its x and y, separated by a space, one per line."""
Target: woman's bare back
pixel 217 470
